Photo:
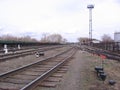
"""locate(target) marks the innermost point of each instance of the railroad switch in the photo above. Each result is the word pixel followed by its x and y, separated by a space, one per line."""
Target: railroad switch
pixel 38 54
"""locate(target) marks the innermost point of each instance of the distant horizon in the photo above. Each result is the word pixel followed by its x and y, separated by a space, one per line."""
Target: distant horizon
pixel 47 34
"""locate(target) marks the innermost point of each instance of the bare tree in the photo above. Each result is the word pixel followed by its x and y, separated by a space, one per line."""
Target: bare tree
pixel 8 37
pixel 106 38
pixel 14 38
pixel 83 40
pixel 53 38
pixel 64 41
pixel 44 38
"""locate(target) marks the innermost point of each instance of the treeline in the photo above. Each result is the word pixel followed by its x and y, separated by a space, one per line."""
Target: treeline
pixel 104 39
pixel 52 38
pixel 14 38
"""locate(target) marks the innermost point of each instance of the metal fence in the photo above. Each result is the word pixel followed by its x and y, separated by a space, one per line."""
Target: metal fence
pixel 111 46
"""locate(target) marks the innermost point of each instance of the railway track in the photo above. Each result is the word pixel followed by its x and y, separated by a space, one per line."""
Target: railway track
pixel 108 54
pixel 29 76
pixel 9 56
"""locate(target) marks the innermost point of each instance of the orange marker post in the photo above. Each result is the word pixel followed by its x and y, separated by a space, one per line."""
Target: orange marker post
pixel 103 57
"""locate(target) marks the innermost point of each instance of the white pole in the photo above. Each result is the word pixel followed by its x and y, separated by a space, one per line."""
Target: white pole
pixel 5 49
pixel 19 46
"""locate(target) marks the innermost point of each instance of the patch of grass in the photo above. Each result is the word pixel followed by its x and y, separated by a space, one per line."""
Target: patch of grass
pixel 89 77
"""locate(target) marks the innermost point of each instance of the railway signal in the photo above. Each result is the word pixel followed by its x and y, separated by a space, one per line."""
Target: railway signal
pixel 100 73
pixel 98 69
pixel 103 76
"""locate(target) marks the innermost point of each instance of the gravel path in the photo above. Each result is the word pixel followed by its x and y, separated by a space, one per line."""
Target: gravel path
pixel 72 79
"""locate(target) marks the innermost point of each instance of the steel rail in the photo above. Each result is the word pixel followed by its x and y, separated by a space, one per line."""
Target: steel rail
pixel 3 76
pixel 23 48
pixel 45 75
pixel 29 65
pixel 29 50
pixel 108 54
pixel 19 54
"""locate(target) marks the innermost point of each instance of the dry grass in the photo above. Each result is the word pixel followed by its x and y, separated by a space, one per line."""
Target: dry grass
pixel 82 76
pixel 89 77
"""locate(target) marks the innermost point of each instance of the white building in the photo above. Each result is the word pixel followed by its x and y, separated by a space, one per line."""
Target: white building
pixel 95 41
pixel 117 36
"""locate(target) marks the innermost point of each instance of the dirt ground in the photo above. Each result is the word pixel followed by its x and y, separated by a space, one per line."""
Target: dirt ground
pixel 82 76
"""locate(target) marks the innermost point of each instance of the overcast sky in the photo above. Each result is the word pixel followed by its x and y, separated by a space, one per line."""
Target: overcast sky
pixel 70 18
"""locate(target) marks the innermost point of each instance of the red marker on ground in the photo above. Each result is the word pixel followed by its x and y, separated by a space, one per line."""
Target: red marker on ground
pixel 103 56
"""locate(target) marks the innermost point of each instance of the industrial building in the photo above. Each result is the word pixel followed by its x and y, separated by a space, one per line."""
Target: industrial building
pixel 117 36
